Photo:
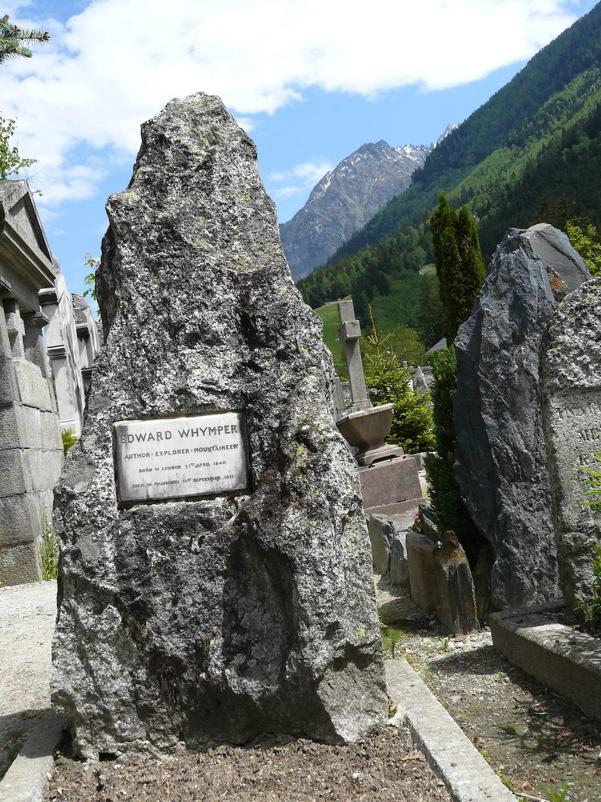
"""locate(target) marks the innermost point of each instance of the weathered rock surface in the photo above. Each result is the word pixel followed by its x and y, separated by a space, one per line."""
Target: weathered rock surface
pixel 389 549
pixel 571 371
pixel 422 571
pixel 456 597
pixel 214 619
pixel 501 463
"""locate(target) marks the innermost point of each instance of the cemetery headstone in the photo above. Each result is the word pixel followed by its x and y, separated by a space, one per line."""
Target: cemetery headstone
pixel 571 365
pixel 349 334
pixel 215 580
pixel 501 464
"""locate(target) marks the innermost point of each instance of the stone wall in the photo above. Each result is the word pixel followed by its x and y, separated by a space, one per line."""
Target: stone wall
pixel 31 453
pixel 34 400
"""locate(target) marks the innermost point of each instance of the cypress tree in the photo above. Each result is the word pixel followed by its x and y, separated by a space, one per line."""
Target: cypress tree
pixel 459 263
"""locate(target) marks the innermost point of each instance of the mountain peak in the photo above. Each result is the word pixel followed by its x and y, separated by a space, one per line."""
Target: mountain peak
pixel 345 199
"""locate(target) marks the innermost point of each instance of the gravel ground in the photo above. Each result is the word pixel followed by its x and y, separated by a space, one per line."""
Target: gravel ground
pixel 539 743
pixel 27 614
pixel 382 767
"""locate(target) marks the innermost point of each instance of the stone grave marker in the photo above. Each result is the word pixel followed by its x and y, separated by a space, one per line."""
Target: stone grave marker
pixel 501 464
pixel 571 371
pixel 349 334
pixel 215 580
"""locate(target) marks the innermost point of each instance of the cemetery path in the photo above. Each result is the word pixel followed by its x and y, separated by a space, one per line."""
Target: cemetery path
pixel 27 614
pixel 536 741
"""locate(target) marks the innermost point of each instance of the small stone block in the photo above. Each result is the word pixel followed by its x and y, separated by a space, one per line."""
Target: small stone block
pixel 20 519
pixel 350 330
pixel 390 482
pixel 380 531
pixel 33 387
pixel 12 473
pixel 8 386
pixel 399 566
pixel 19 564
pixel 422 571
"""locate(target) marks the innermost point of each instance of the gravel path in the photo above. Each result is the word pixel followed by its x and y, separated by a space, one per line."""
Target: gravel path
pixel 539 743
pixel 27 614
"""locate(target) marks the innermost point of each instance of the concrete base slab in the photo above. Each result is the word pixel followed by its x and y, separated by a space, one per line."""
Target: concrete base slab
pixel 450 753
pixel 27 776
pixel 566 660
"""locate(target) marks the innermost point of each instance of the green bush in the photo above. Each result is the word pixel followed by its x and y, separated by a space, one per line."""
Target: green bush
pixel 594 484
pixel 589 607
pixel 69 439
pixel 446 504
pixel 390 383
pixel 447 508
pixel 444 370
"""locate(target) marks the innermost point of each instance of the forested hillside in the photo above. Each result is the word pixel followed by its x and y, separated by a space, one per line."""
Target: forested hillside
pixel 532 152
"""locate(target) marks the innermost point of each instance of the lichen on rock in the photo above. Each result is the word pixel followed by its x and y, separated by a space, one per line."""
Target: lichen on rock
pixel 224 618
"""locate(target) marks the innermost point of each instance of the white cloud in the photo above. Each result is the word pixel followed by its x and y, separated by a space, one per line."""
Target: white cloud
pixel 309 172
pixel 302 176
pixel 118 62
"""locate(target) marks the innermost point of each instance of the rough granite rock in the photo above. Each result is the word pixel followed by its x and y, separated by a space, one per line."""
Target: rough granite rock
pixel 501 465
pixel 216 619
pixel 571 378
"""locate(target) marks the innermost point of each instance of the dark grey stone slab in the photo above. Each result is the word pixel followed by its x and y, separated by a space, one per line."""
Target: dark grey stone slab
pixel 501 463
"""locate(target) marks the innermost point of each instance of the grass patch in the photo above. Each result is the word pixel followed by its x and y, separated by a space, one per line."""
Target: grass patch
pixel 391 637
pixel 329 317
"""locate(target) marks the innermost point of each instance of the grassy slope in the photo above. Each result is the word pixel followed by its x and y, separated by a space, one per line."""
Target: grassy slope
pixel 329 316
pixel 390 311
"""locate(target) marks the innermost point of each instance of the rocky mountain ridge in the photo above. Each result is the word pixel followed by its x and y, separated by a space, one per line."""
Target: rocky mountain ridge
pixel 345 199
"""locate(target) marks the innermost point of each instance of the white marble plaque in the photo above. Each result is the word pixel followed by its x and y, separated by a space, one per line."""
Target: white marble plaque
pixel 168 458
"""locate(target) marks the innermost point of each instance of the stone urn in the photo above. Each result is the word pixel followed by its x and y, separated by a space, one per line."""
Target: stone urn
pixel 367 430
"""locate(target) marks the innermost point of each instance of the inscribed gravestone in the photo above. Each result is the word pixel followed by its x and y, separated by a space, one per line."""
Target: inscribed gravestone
pixel 184 617
pixel 571 363
pixel 501 464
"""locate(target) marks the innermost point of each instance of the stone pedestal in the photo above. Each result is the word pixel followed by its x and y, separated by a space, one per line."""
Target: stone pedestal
pixel 390 486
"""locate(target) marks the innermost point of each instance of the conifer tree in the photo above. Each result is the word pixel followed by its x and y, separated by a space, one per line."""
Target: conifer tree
pixel 13 39
pixel 459 263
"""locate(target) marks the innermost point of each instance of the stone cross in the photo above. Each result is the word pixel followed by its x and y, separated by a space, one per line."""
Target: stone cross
pixel 349 334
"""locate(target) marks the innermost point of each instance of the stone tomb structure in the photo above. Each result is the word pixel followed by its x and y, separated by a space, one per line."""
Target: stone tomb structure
pixel 38 397
pixel 571 364
pixel 31 450
pixel 501 462
pixel 217 585
pixel 72 341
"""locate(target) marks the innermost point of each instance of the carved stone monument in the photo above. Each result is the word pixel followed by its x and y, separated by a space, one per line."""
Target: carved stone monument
pixel 215 579
pixel 389 479
pixel 571 365
pixel 501 464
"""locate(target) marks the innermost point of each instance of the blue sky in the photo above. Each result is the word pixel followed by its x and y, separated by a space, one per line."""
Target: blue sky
pixel 311 82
